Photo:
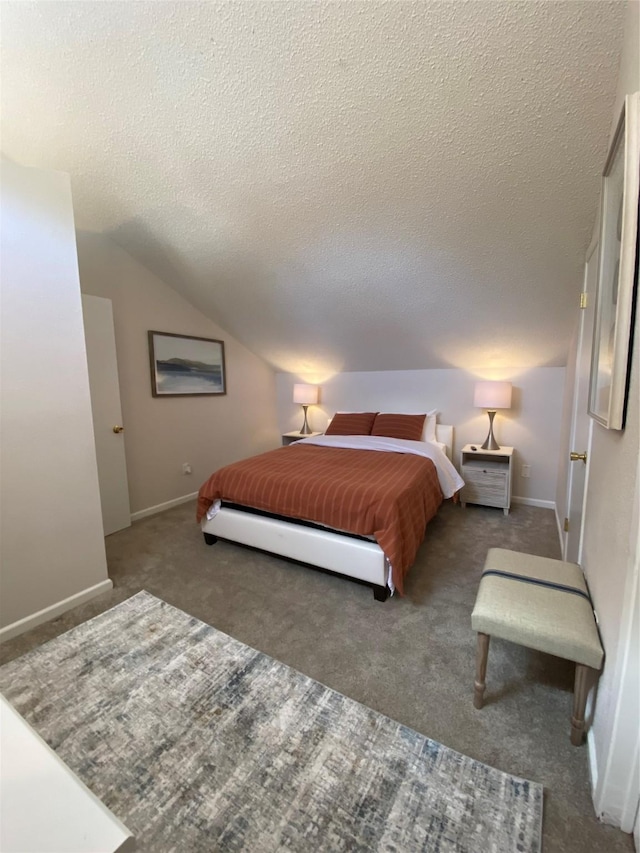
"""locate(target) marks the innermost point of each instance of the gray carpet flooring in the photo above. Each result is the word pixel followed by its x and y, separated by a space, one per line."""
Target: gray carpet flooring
pixel 410 658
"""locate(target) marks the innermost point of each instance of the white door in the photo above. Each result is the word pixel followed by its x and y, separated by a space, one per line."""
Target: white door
pixel 582 423
pixel 107 412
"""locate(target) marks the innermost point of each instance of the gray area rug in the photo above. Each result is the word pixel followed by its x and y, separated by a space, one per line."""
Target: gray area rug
pixel 200 743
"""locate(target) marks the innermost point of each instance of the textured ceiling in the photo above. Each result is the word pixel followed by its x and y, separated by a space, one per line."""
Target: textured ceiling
pixel 345 185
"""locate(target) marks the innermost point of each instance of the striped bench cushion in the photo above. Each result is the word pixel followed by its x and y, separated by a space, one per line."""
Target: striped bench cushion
pixel 540 603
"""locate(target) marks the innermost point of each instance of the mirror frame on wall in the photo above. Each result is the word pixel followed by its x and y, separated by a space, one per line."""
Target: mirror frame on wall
pixel 617 272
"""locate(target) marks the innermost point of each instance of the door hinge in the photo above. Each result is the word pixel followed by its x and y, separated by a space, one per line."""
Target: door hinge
pixel 583 300
pixel 566 525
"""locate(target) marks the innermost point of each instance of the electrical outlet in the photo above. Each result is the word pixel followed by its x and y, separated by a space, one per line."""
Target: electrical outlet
pixel 526 470
pixel 186 468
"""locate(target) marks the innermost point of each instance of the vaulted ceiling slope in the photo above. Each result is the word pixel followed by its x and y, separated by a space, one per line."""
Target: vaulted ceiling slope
pixel 341 185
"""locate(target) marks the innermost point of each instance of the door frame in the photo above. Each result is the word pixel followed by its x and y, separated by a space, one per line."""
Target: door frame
pixel 583 340
pixel 104 382
pixel 616 794
pixel 615 786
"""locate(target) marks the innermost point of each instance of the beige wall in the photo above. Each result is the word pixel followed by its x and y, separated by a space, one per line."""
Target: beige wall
pixel 163 433
pixel 609 555
pixel 52 540
pixel 532 425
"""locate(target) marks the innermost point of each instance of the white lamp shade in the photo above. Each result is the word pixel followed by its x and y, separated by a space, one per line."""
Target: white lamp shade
pixel 492 395
pixel 306 395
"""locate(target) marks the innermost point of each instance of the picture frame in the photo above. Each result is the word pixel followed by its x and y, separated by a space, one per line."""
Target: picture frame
pixel 186 365
pixel 617 272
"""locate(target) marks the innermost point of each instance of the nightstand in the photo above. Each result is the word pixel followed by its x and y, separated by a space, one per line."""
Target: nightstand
pixel 290 437
pixel 487 476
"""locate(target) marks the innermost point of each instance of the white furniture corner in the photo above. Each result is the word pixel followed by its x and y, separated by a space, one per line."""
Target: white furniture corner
pixel 290 437
pixel 487 476
pixel 44 805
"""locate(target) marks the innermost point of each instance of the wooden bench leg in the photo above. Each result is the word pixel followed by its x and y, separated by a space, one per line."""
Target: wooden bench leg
pixel 580 691
pixel 482 654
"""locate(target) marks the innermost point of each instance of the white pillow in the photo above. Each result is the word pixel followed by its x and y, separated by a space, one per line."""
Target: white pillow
pixel 429 429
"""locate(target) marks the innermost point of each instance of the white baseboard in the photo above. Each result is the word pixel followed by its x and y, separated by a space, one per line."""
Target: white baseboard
pixel 153 510
pixel 592 762
pixel 563 542
pixel 534 502
pixel 48 613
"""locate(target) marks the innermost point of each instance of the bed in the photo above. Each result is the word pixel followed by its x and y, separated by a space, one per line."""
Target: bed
pixel 355 505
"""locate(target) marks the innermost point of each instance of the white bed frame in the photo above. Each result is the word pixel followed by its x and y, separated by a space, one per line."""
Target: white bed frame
pixel 325 549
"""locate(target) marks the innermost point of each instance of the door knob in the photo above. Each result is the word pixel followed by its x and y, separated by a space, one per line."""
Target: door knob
pixel 117 429
pixel 575 456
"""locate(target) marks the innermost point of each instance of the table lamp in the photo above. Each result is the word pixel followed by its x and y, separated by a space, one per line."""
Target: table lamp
pixel 306 395
pixel 492 396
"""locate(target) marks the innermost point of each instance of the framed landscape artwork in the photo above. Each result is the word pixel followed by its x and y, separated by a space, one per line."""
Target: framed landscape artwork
pixel 617 272
pixel 186 366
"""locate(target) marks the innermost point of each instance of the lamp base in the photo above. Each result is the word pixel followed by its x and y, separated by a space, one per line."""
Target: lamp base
pixel 490 442
pixel 306 429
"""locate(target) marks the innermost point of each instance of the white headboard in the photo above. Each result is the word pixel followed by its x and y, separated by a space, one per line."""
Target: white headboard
pixel 444 433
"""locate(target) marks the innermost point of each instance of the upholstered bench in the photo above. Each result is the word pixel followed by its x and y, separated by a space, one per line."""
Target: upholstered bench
pixel 543 604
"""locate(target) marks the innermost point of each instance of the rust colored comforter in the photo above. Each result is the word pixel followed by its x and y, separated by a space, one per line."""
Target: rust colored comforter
pixel 390 496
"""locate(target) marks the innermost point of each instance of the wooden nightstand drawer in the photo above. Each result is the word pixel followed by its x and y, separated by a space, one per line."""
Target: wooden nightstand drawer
pixel 487 477
pixel 484 475
pixel 489 488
